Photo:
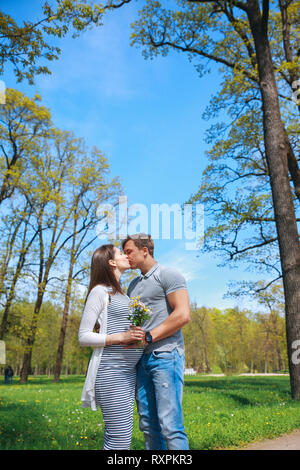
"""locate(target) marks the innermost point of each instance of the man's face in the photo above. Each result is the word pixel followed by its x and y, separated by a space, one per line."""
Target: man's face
pixel 134 254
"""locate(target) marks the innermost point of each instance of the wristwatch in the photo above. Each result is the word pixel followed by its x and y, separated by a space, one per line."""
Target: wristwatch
pixel 148 337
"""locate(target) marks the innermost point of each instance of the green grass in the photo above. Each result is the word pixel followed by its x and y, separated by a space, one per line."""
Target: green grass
pixel 219 412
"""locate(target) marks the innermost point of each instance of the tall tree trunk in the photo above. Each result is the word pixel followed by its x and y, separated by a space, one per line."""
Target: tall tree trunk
pixel 26 367
pixel 274 320
pixel 6 311
pixel 278 354
pixel 63 329
pixel 277 155
pixel 205 350
pixel 22 257
pixel 266 351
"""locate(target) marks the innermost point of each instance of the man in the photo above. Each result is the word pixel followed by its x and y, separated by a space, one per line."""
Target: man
pixel 160 370
pixel 9 373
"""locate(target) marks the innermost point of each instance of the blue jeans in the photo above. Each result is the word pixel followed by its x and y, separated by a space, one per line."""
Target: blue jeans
pixel 159 397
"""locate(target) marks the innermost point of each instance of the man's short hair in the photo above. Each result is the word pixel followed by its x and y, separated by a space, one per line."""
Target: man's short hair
pixel 141 240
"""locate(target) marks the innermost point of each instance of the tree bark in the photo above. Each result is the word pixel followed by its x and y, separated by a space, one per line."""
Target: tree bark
pixel 21 260
pixel 26 367
pixel 277 158
pixel 63 329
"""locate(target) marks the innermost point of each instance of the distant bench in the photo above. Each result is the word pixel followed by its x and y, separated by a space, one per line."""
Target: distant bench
pixel 189 372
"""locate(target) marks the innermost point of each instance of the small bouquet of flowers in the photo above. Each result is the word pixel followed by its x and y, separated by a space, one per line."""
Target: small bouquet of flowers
pixel 138 312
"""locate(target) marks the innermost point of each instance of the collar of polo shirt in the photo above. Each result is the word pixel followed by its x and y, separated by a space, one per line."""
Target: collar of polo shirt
pixel 150 271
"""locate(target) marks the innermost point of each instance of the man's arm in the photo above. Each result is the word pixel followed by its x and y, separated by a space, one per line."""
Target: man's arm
pixel 179 301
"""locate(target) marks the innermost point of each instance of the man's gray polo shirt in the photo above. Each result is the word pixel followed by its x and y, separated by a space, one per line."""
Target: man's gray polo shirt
pixel 153 288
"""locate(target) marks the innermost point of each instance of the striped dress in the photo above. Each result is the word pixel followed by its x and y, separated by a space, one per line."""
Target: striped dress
pixel 116 379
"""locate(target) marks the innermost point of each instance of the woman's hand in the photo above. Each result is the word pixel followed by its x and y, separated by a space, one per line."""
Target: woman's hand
pixel 133 335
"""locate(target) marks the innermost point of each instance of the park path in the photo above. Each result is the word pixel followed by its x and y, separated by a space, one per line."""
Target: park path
pixel 289 441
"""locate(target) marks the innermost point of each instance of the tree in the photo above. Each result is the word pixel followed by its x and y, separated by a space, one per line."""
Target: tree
pixel 47 199
pixel 200 339
pixel 54 205
pixel 88 189
pixel 273 300
pixel 25 46
pixel 18 250
pixel 22 122
pixel 198 29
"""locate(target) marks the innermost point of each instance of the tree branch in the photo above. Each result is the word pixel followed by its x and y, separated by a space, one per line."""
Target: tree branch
pixel 265 16
pixel 243 6
pixel 204 54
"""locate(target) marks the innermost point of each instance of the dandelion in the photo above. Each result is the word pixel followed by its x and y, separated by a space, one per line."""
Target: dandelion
pixel 138 311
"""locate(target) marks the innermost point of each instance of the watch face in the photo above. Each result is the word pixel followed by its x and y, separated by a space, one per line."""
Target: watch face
pixel 148 337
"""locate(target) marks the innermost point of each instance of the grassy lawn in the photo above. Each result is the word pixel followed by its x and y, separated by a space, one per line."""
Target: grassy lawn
pixel 219 412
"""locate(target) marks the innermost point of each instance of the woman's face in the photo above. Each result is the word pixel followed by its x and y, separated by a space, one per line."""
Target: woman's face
pixel 120 260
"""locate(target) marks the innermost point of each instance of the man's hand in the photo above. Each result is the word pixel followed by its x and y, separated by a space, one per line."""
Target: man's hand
pixel 140 344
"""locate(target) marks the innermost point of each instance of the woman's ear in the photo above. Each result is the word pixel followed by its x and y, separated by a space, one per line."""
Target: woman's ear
pixel 112 262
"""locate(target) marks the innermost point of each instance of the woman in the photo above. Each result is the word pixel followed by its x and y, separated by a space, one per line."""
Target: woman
pixel 111 376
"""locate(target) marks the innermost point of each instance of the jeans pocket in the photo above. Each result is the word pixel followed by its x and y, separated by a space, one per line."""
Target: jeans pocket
pixel 163 354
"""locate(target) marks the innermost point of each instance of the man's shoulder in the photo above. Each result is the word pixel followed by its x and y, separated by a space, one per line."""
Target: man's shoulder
pixel 132 284
pixel 170 278
pixel 164 270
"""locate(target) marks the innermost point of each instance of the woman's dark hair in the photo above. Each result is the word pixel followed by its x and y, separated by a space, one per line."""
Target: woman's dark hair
pixel 101 271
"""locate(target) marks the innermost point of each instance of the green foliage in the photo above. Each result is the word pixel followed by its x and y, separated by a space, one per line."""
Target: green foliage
pixel 236 341
pixel 52 185
pixel 228 341
pixel 23 122
pixel 25 46
pixel 235 186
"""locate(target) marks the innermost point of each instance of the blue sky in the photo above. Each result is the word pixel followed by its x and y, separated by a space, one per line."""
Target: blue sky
pixel 146 116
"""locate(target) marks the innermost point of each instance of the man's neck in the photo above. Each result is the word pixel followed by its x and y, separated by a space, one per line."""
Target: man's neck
pixel 147 266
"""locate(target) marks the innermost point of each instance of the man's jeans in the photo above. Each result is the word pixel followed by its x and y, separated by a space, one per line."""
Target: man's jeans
pixel 159 397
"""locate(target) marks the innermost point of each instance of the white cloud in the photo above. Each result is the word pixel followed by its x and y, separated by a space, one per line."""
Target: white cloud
pixel 191 267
